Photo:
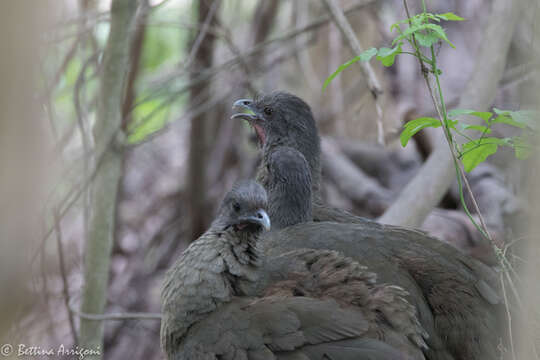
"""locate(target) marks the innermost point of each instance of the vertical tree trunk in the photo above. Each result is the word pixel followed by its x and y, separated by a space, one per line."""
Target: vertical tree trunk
pixel 109 159
pixel 201 127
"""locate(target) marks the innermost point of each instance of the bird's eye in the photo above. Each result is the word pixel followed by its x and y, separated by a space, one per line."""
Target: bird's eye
pixel 268 110
pixel 236 206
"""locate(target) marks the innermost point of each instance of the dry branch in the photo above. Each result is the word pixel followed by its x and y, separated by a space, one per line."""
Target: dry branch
pixel 255 50
pixel 359 187
pixel 374 84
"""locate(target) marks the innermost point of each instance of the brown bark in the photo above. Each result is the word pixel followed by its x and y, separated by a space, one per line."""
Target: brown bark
pixel 135 60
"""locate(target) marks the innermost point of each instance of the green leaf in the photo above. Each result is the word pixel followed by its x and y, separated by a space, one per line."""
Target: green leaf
pixel 433 17
pixel 408 32
pixel 365 56
pixel 501 112
pixel 495 140
pixel 387 56
pixel 433 31
pixel 419 19
pixel 439 31
pixel 522 148
pixel 481 128
pixel 474 153
pixel 527 117
pixel 451 123
pixel 450 17
pixel 414 126
pixel 485 115
pixel 520 119
pixel 426 39
pixel 506 119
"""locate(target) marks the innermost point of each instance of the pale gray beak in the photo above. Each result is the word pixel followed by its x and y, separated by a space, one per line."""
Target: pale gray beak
pixel 245 104
pixel 260 217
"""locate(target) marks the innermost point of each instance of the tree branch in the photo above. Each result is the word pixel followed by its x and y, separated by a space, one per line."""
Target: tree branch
pixel 373 82
pixel 255 50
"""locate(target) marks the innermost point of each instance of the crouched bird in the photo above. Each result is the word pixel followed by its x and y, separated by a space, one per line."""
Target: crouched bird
pixel 309 304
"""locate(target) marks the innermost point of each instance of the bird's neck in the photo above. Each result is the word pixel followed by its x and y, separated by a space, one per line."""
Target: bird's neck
pixel 309 146
pixel 207 275
pixel 290 203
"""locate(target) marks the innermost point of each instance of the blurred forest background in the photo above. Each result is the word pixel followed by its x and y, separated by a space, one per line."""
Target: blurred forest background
pixel 126 137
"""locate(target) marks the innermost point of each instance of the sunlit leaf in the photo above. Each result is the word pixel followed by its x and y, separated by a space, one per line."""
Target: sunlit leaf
pixel 426 39
pixel 485 115
pixel 506 119
pixel 481 128
pixel 387 56
pixel 414 126
pixel 527 117
pixel 450 17
pixel 439 31
pixel 365 56
pixel 474 153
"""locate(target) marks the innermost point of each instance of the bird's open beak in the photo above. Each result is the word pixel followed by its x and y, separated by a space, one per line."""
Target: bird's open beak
pixel 260 218
pixel 248 105
pixel 253 117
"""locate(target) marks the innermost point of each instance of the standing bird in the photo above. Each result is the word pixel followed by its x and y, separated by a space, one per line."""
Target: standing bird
pixel 315 304
pixel 455 295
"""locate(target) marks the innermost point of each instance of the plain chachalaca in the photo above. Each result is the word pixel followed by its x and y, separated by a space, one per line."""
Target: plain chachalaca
pixel 456 296
pixel 316 304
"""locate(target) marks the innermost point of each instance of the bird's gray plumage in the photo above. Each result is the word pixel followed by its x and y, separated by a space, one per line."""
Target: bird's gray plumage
pixel 289 187
pixel 314 304
pixel 456 296
pixel 204 276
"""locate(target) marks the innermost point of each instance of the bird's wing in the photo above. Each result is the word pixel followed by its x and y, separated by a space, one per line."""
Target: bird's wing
pixel 283 328
pixel 456 296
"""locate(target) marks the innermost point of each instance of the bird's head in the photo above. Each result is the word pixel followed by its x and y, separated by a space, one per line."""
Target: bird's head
pixel 280 118
pixel 289 187
pixel 244 208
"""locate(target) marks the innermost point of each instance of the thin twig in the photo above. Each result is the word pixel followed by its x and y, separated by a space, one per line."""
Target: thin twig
pixel 81 115
pixel 373 82
pixel 202 34
pixel 211 72
pixel 509 317
pixel 63 273
pixel 115 316
pixel 73 196
pixel 301 11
